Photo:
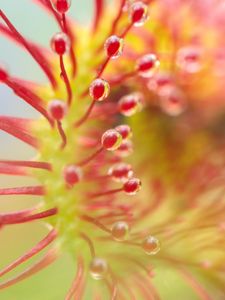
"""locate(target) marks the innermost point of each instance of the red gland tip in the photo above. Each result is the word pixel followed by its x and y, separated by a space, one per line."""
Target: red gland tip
pixel 60 43
pixel 114 46
pixel 138 13
pixel 130 104
pixel 121 172
pixel 111 140
pixel 132 186
pixel 147 65
pixel 3 74
pixel 57 109
pixel 72 175
pixel 61 6
pixel 125 131
pixel 99 89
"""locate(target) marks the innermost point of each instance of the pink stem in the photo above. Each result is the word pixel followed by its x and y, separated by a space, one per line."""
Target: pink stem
pixel 62 134
pixel 120 79
pixel 27 190
pixel 200 291
pixel 49 258
pixel 18 214
pixel 42 52
pixel 29 164
pixel 102 68
pixel 72 54
pixel 145 291
pixel 100 194
pixel 96 222
pixel 36 249
pixel 119 14
pixel 66 80
pixel 114 293
pixel 76 282
pixel 12 170
pixel 127 29
pixel 86 115
pixel 87 160
pixel 15 218
pixel 89 242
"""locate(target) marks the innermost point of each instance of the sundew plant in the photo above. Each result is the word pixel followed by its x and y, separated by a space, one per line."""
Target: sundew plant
pixel 128 173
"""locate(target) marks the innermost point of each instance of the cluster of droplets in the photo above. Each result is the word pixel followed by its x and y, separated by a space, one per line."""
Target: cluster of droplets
pixel 172 99
pixel 118 139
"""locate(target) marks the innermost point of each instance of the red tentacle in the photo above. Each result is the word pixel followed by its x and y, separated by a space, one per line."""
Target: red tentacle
pixel 49 258
pixel 18 214
pixel 34 52
pixel 117 18
pixel 42 52
pixel 15 218
pixel 12 170
pixel 16 128
pixel 99 8
pixel 28 96
pixel 27 190
pixel 48 6
pixel 28 164
pixel 200 291
pixel 66 80
pixel 77 280
pixel 36 249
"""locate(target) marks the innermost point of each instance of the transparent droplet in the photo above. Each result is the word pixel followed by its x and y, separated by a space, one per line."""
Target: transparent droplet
pixel 111 140
pixel 121 172
pixel 114 46
pixel 147 65
pixel 120 231
pixel 61 6
pixel 72 174
pixel 125 131
pixel 132 186
pixel 99 89
pixel 172 101
pixel 98 268
pixel 189 59
pixel 57 109
pixel 60 43
pixel 130 104
pixel 138 13
pixel 151 245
